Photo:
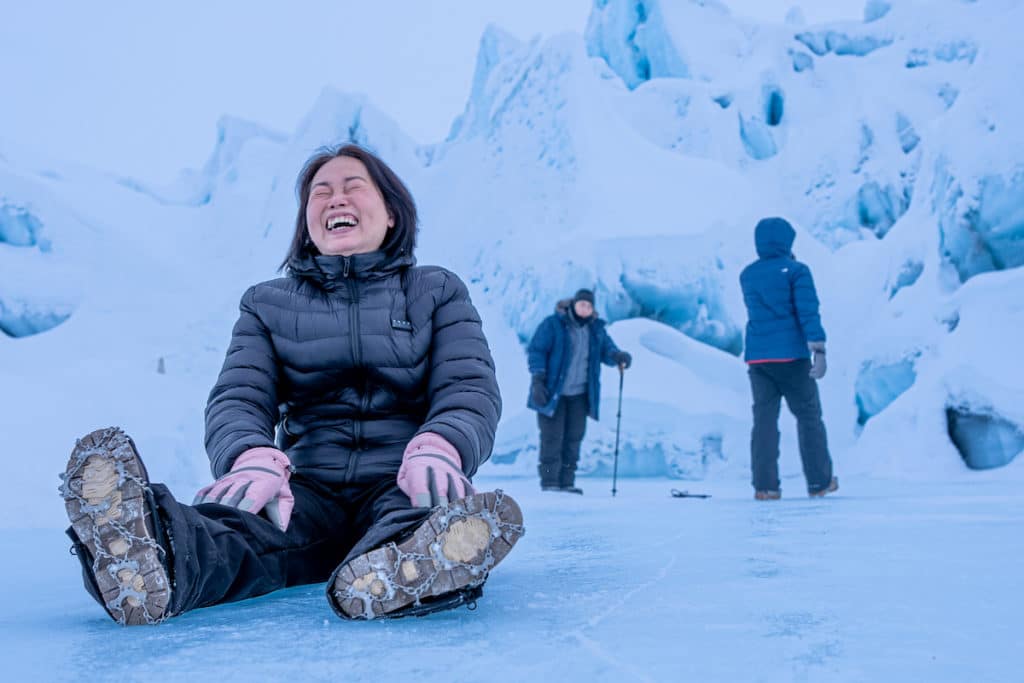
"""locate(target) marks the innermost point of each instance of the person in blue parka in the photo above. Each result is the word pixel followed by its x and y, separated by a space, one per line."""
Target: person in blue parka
pixel 783 333
pixel 565 357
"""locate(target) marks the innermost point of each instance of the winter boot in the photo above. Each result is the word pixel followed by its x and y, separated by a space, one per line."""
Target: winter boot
pixel 573 489
pixel 832 487
pixel 767 495
pixel 106 493
pixel 551 488
pixel 442 565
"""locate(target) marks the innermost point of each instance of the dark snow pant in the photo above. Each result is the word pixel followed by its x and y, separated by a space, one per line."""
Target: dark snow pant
pixel 560 439
pixel 770 382
pixel 221 554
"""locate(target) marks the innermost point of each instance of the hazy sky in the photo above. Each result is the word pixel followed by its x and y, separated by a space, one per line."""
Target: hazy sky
pixel 137 88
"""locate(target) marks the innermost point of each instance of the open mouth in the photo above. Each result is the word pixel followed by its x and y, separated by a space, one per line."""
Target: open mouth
pixel 341 222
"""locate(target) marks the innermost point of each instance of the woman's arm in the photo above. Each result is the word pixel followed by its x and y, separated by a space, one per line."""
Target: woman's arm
pixel 462 388
pixel 242 412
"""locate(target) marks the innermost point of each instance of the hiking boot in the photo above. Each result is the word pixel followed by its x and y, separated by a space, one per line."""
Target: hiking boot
pixel 442 565
pixel 832 487
pixel 105 489
pixel 551 488
pixel 767 495
pixel 573 489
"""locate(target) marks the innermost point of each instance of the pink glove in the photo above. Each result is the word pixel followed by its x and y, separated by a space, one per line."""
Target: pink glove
pixel 257 480
pixel 431 472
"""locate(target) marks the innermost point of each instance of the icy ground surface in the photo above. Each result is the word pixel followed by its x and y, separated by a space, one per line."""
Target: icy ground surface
pixel 888 580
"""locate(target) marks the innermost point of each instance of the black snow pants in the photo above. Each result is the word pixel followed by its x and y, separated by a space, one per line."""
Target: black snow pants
pixel 221 554
pixel 769 383
pixel 560 439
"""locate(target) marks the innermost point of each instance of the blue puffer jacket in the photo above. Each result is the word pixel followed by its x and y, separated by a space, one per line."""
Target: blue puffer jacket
pixel 550 352
pixel 782 304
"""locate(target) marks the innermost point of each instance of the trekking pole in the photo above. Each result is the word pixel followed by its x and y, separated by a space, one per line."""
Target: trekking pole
pixel 618 424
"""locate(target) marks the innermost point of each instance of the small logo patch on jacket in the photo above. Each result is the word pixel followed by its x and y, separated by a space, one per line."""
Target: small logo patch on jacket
pixel 401 325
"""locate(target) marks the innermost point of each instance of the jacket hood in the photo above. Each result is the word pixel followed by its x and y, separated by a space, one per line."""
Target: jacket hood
pixel 329 271
pixel 774 237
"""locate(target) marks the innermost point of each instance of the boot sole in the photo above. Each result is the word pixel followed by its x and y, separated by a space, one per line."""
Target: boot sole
pixel 104 492
pixel 452 551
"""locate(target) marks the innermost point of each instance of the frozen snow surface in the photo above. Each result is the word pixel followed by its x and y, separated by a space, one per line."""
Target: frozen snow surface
pixel 633 157
pixel 885 581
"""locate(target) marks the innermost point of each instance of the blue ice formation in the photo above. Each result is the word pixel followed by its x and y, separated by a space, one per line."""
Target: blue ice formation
pixel 908 136
pixel 879 208
pixel 774 104
pixel 19 321
pixel 953 51
pixel 19 227
pixel 695 308
pixel 985 440
pixel 907 275
pixel 989 234
pixel 631 38
pixel 838 43
pixel 948 94
pixel 879 384
pixel 875 10
pixel 801 61
pixel 757 138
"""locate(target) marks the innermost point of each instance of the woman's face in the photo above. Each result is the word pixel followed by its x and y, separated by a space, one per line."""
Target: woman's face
pixel 345 213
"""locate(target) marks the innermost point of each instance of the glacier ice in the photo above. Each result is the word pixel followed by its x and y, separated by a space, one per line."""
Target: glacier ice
pixel 875 10
pixel 801 61
pixel 824 42
pixel 23 319
pixel 984 439
pixel 757 138
pixel 908 136
pixel 632 39
pixel 985 231
pixel 906 276
pixel 19 227
pixel 879 383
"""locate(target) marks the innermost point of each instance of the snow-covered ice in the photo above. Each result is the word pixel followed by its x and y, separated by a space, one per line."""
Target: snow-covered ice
pixel 886 581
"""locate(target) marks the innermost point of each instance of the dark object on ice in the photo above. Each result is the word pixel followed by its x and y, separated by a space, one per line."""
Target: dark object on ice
pixel 984 440
pixel 832 487
pixel 573 489
pixel 618 424
pixel 676 493
pixel 773 494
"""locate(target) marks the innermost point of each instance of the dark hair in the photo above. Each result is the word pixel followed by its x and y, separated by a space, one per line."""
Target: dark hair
pixel 401 239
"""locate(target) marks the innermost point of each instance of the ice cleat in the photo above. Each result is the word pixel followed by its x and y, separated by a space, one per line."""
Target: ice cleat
pixel 105 489
pixel 442 565
pixel 832 487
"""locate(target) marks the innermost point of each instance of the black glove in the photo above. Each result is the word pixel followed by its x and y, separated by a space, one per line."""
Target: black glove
pixel 539 391
pixel 623 359
pixel 818 361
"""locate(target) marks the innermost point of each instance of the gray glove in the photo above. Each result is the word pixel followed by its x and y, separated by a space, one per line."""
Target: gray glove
pixel 818 365
pixel 539 391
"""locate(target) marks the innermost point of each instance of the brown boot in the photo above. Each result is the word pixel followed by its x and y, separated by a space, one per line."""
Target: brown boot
pixel 831 488
pixel 440 566
pixel 104 491
pixel 767 495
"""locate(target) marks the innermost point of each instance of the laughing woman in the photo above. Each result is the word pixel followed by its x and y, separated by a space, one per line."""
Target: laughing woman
pixel 357 399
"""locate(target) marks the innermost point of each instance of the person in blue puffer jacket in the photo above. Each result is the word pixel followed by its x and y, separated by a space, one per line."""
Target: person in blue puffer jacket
pixel 565 356
pixel 783 333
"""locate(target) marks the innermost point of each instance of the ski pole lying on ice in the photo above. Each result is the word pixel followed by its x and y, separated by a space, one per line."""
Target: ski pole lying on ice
pixel 676 493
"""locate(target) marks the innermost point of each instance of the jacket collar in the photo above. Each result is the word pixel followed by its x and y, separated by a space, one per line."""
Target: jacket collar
pixel 330 271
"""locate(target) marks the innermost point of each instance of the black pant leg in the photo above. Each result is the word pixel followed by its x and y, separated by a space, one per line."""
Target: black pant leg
pixel 802 398
pixel 222 554
pixel 552 435
pixel 382 513
pixel 575 428
pixel 764 437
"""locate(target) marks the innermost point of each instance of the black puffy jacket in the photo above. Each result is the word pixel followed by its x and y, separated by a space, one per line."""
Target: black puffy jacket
pixel 349 358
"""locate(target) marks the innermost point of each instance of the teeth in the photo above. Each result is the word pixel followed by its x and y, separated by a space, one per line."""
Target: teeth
pixel 341 222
